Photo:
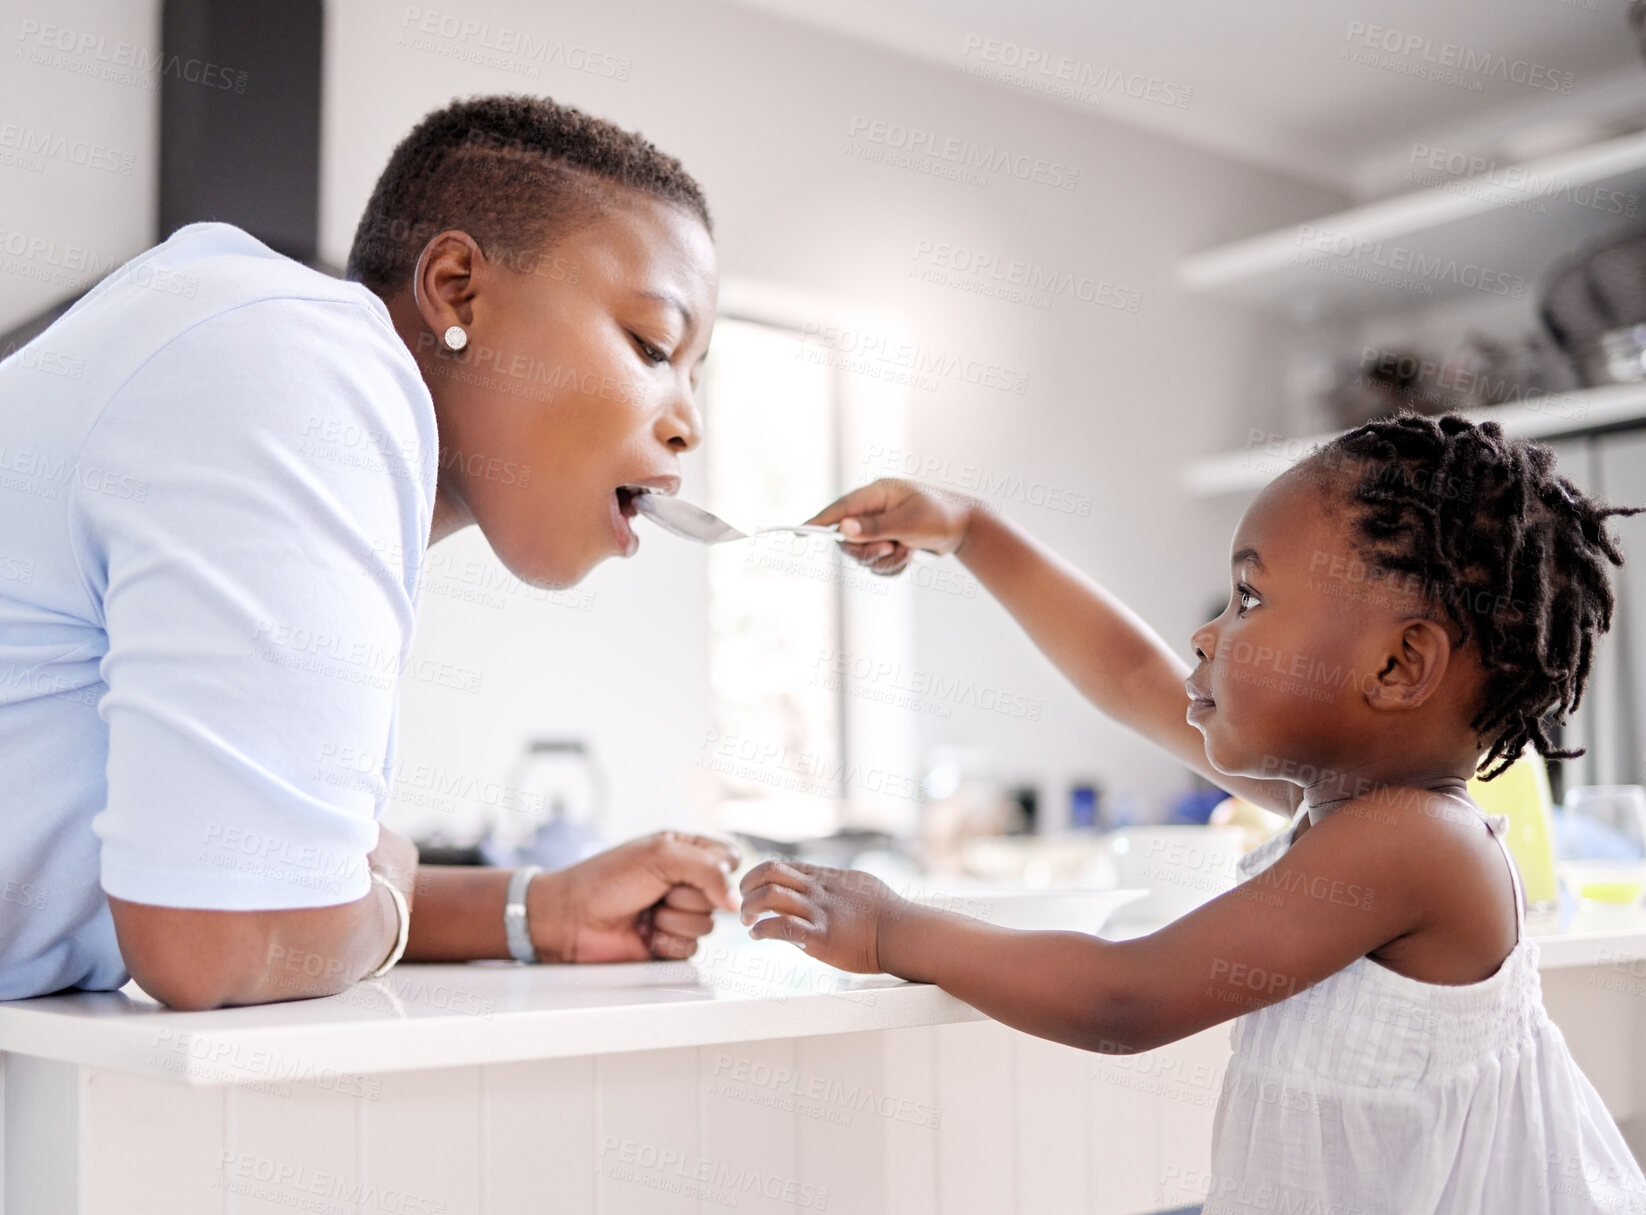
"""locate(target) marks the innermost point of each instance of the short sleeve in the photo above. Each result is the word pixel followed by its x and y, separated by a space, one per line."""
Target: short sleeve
pixel 250 510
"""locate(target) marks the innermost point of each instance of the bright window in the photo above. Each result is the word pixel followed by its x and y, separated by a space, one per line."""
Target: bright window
pixel 774 602
pixel 805 747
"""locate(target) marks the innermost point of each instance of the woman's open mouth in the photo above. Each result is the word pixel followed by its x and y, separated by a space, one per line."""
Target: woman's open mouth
pixel 623 508
pixel 622 511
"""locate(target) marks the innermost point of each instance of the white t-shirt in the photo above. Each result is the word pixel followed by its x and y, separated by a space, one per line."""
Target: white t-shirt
pixel 216 483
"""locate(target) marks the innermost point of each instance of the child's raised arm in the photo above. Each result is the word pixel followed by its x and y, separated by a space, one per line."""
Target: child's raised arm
pixel 1105 649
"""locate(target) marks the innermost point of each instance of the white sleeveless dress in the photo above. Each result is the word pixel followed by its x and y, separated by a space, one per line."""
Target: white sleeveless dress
pixel 1372 1093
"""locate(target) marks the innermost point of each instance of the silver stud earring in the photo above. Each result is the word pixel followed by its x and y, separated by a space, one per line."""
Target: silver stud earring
pixel 457 337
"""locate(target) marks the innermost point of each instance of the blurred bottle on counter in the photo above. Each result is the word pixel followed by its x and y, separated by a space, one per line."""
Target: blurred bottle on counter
pixel 1085 812
pixel 1027 800
pixel 963 798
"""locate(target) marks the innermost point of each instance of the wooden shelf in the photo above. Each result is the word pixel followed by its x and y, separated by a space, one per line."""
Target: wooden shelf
pixel 1495 233
pixel 1558 415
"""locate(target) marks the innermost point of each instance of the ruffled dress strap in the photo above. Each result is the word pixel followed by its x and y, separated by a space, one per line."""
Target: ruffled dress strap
pixel 1498 825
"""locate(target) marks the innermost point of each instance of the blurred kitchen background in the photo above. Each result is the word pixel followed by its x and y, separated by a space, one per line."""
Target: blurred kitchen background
pixel 1179 240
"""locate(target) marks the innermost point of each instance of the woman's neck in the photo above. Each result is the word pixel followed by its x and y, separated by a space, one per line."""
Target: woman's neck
pixel 450 515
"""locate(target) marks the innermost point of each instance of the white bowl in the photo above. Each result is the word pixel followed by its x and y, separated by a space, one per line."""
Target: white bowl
pixel 1073 907
pixel 1183 865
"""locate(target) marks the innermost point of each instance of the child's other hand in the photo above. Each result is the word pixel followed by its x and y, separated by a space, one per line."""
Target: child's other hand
pixel 833 914
pixel 885 522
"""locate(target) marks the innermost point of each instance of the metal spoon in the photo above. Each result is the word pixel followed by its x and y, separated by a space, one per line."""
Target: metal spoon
pixel 695 523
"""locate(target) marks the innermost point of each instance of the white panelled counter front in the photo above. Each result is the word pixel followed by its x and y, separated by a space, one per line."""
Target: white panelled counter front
pixel 750 1078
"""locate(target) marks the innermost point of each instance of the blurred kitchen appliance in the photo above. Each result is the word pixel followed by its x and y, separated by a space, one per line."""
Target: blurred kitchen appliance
pixel 552 809
pixel 1478 371
pixel 1593 304
pixel 1624 354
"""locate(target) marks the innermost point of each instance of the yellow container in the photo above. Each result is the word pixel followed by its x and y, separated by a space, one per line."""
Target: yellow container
pixel 1522 793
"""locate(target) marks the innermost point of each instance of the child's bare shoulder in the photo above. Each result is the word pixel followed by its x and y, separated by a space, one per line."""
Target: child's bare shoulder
pixel 1438 849
pixel 1429 839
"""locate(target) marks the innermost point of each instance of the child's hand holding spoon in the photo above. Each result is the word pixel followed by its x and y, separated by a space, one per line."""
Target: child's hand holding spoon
pixel 882 524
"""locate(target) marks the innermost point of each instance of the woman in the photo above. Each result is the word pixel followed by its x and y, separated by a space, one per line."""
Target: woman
pixel 222 515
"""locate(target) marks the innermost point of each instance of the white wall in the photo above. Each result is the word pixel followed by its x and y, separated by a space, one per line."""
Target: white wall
pixel 87 199
pixel 762 113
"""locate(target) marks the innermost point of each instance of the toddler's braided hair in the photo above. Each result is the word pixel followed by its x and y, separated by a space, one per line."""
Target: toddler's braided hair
pixel 1515 553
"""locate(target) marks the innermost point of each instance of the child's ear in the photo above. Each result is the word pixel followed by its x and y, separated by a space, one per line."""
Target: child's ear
pixel 1412 666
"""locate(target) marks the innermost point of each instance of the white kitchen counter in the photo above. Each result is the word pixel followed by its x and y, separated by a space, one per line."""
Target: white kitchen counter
pixel 429 1016
pixel 1589 937
pixel 750 1076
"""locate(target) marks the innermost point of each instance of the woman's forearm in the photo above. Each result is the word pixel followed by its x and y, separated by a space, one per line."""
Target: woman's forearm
pixel 1056 985
pixel 459 914
pixel 456 916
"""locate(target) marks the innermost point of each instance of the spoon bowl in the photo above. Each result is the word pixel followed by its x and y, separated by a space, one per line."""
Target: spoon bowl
pixel 694 523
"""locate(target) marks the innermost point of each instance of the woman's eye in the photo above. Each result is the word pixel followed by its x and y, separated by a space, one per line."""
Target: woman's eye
pixel 649 352
pixel 1247 599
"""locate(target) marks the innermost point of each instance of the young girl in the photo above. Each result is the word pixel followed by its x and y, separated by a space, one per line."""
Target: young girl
pixel 1417 599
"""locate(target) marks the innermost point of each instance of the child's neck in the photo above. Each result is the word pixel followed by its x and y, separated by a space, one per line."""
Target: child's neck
pixel 1446 773
pixel 1323 799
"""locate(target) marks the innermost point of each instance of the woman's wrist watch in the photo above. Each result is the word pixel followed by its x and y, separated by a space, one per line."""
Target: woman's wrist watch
pixel 402 915
pixel 515 925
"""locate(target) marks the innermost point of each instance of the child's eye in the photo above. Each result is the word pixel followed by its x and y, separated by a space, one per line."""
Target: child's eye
pixel 1243 593
pixel 649 352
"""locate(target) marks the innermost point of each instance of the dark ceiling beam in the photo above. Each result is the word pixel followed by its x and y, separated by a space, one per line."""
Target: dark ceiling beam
pixel 240 119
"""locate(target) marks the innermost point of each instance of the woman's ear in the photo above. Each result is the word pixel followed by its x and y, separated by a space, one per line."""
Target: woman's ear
pixel 1412 667
pixel 445 279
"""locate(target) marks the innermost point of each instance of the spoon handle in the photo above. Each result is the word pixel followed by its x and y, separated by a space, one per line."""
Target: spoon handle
pixel 804 529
